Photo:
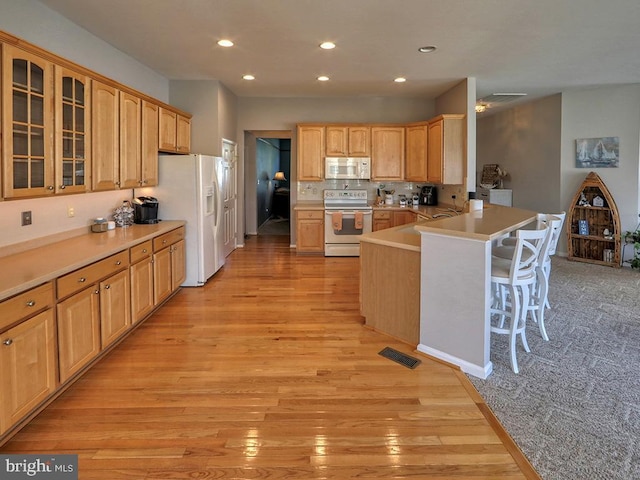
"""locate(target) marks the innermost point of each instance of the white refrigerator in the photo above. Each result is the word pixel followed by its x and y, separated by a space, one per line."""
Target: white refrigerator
pixel 189 188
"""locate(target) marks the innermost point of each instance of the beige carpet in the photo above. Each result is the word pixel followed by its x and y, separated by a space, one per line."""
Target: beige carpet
pixel 574 408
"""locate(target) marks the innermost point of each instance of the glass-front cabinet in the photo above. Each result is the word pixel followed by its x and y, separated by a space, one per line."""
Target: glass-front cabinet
pixel 27 91
pixel 72 120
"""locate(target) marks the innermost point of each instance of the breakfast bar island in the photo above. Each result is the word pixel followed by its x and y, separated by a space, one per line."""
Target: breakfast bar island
pixel 446 277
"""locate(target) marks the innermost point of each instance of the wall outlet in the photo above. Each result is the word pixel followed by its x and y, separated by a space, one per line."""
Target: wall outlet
pixel 70 212
pixel 26 218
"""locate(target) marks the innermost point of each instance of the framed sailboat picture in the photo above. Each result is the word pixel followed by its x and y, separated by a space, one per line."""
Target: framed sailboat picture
pixel 600 152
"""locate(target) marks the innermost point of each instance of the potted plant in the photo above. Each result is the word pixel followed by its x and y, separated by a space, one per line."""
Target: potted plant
pixel 633 238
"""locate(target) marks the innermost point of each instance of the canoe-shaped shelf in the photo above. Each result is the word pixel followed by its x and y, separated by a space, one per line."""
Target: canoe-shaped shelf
pixel 593 229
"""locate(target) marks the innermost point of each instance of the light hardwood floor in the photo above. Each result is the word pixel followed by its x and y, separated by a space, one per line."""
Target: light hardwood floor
pixel 268 372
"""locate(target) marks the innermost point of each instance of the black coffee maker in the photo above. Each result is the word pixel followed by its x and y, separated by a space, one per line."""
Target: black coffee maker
pixel 145 210
pixel 429 195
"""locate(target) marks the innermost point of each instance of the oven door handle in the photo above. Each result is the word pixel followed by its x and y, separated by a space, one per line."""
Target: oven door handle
pixel 347 212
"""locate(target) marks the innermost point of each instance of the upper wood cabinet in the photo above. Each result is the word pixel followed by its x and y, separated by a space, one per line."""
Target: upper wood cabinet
pixel 105 147
pixel 416 153
pixel 183 134
pixel 446 150
pixel 167 130
pixel 387 153
pixel 348 141
pixel 72 131
pixel 311 148
pixel 149 144
pixel 130 141
pixel 27 124
pixel 66 129
pixel 175 132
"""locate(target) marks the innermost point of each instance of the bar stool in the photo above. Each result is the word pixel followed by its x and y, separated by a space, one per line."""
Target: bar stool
pixel 554 242
pixel 512 281
pixel 539 294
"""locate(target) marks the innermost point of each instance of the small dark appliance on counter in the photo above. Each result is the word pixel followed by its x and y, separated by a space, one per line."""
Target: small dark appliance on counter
pixel 429 195
pixel 145 210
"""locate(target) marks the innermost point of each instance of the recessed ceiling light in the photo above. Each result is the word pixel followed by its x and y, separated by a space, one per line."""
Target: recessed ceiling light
pixel 323 78
pixel 327 45
pixel 225 43
pixel 248 76
pixel 400 80
pixel 427 49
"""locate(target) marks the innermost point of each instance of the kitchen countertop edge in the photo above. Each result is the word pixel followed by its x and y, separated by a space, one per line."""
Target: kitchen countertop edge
pixel 34 267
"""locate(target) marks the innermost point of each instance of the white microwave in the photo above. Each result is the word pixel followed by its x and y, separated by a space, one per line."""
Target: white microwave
pixel 347 168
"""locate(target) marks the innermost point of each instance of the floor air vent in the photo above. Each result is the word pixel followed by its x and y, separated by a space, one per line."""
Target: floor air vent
pixel 399 357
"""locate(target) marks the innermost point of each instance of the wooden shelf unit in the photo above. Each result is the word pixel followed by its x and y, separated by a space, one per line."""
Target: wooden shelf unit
pixel 591 246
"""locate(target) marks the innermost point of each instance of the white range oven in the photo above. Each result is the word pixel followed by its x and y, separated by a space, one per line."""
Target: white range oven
pixel 347 216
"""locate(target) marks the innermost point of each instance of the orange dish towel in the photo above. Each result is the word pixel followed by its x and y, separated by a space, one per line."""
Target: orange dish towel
pixel 358 220
pixel 336 221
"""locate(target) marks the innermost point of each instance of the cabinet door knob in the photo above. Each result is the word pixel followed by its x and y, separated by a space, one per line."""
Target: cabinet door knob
pixel 144 250
pixel 8 342
pixel 96 291
pixel 118 262
pixel 62 187
pixel 82 280
pixel 164 241
pixel 31 303
pixel 107 287
pixel 50 187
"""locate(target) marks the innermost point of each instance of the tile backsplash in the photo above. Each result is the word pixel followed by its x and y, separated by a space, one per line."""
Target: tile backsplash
pixel 312 191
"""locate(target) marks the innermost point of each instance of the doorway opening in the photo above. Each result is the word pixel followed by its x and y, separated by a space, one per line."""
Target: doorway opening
pixel 273 175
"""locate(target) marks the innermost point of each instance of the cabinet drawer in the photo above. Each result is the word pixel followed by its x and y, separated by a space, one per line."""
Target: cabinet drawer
pixel 23 305
pixel 168 238
pixel 315 214
pixel 85 276
pixel 378 215
pixel 140 251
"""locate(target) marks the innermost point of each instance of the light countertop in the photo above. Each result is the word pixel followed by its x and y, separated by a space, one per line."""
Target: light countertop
pixel 488 224
pixel 34 267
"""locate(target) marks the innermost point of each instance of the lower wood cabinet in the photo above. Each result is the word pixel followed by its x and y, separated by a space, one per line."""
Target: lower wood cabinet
pixel 310 231
pixel 27 367
pixel 382 220
pixel 78 331
pixel 44 343
pixel 141 273
pixel 392 218
pixel 169 267
pixel 115 307
pixel 402 217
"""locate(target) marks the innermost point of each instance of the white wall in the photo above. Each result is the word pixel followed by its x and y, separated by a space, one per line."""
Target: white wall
pixel 214 113
pixel 31 21
pixel 525 141
pixel 604 112
pixel 536 144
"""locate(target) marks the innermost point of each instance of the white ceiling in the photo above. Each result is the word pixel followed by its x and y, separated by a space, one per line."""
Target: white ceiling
pixel 539 47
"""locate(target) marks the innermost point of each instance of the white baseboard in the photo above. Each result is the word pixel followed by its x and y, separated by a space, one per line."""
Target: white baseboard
pixel 470 368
